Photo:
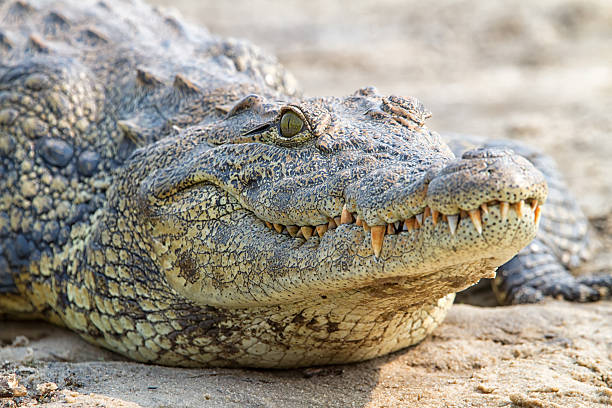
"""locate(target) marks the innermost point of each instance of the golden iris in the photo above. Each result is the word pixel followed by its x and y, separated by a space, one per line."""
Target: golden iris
pixel 290 124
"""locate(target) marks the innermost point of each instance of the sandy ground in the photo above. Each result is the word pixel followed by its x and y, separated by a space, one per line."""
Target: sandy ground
pixel 480 357
pixel 540 72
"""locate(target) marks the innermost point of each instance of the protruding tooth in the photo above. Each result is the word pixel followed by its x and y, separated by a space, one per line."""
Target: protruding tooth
pixel 398 225
pixel 293 230
pixel 475 217
pixel 419 220
pixel 485 208
pixel 409 224
pixel 366 227
pixel 534 204
pixel 519 208
pixel 331 224
pixel 321 229
pixel 345 217
pixel 278 228
pixel 536 214
pixel 426 213
pixel 306 231
pixel 378 236
pixel 337 221
pixel 269 225
pixel 359 221
pixel 434 216
pixel 503 210
pixel 390 228
pixel 453 220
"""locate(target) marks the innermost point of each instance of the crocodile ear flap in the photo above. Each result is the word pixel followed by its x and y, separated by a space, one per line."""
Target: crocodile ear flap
pixel 251 101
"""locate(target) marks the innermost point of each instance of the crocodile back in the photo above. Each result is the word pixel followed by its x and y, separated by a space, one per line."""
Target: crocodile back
pixel 82 85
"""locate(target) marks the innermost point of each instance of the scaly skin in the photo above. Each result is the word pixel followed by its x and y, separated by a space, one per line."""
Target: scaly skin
pixel 564 240
pixel 180 205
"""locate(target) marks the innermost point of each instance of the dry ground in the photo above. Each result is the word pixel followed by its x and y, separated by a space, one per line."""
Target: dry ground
pixel 538 71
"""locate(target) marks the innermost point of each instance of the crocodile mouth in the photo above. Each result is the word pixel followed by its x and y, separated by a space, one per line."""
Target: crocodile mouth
pixel 288 236
pixel 476 220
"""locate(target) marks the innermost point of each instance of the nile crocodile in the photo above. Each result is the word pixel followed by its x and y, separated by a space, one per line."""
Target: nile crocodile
pixel 170 195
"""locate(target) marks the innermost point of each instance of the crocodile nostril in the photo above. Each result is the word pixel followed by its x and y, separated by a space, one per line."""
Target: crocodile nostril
pixel 484 175
pixel 487 153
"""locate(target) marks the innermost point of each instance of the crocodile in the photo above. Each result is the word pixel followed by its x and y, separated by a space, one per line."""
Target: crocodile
pixel 170 195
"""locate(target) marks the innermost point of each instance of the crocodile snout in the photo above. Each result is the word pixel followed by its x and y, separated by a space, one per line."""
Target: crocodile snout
pixel 466 188
pixel 482 176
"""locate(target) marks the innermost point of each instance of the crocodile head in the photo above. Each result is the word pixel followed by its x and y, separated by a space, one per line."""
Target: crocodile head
pixel 280 202
pixel 319 231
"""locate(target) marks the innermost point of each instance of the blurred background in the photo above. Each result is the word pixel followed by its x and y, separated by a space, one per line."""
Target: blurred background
pixel 538 71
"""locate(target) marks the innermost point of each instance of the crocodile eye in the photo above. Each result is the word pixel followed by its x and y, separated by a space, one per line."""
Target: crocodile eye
pixel 290 124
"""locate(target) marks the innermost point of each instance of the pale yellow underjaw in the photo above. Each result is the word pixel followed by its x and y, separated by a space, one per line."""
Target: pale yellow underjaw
pixel 378 232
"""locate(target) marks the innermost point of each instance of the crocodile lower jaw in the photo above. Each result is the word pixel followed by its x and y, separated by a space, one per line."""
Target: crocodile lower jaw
pixel 412 225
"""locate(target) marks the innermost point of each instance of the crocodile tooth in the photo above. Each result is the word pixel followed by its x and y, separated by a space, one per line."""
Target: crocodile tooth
pixel 306 231
pixel 293 230
pixel 398 225
pixel 534 204
pixel 269 225
pixel 278 228
pixel 434 216
pixel 519 208
pixel 378 236
pixel 419 220
pixel 426 213
pixel 536 214
pixel 390 228
pixel 503 210
pixel 453 220
pixel 345 217
pixel 337 221
pixel 358 221
pixel 321 229
pixel 331 224
pixel 409 224
pixel 485 208
pixel 366 227
pixel 475 217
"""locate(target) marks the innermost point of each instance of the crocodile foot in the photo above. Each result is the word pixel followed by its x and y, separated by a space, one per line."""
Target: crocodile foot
pixel 536 273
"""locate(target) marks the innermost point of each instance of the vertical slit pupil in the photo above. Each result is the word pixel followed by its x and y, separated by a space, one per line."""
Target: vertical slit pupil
pixel 291 124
